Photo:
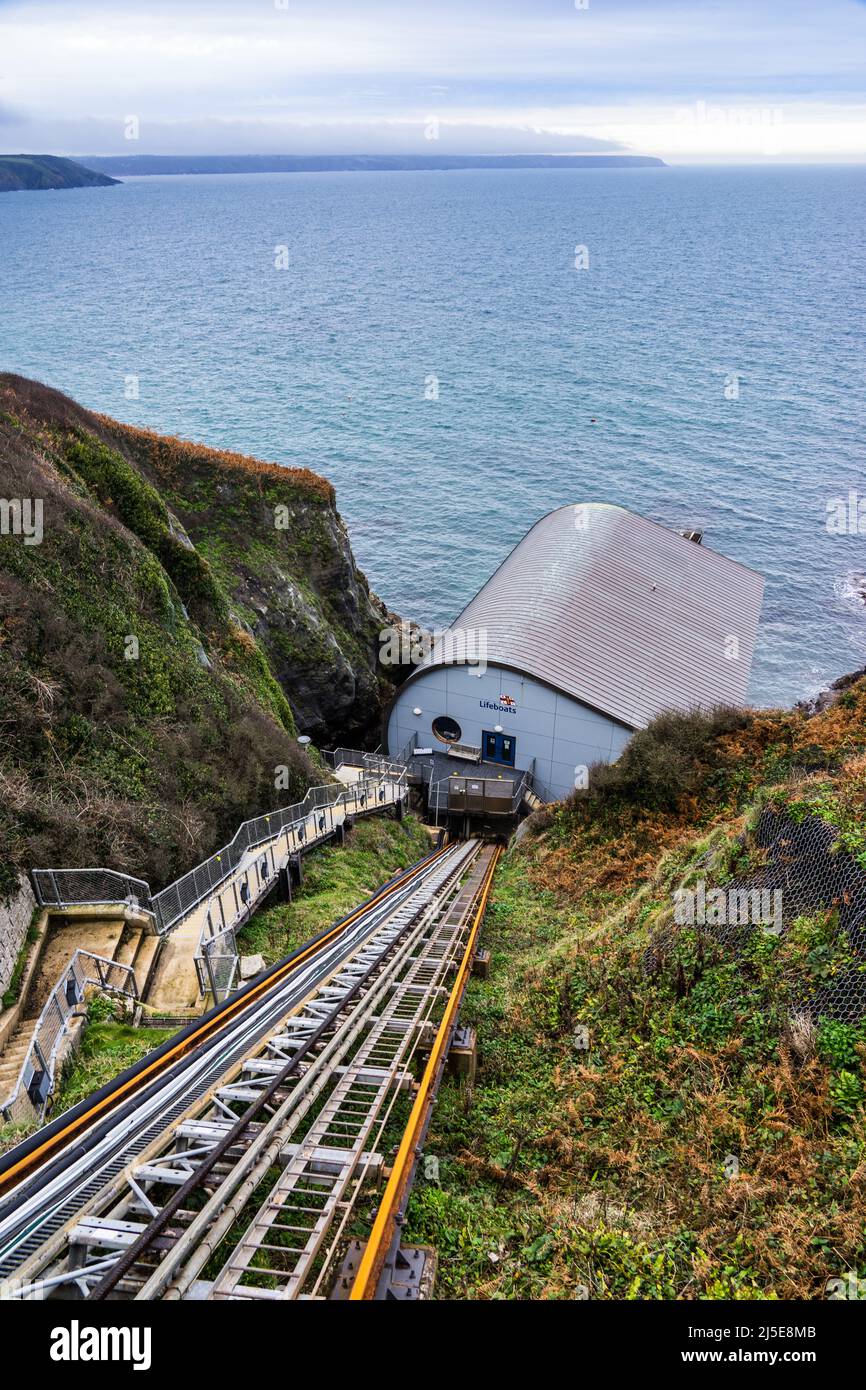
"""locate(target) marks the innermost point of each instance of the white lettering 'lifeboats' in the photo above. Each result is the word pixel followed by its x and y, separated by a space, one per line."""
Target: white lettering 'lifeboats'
pixel 500 709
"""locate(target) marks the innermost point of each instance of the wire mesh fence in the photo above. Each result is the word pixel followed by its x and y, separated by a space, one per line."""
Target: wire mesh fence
pixel 798 868
pixel 175 901
pixel 217 964
pixel 70 887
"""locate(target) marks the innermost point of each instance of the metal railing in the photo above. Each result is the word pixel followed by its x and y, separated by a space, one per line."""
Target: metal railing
pixel 407 751
pixel 100 887
pixel 438 792
pixel 369 762
pixel 95 887
pixel 35 1085
pixel 218 958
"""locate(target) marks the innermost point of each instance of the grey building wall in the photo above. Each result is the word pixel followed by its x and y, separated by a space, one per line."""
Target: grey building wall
pixel 559 732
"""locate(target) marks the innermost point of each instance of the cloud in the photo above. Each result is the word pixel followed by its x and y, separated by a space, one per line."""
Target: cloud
pixel 94 137
pixel 260 77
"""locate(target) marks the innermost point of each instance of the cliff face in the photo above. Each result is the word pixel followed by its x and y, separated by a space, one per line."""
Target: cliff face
pixel 275 542
pixel 170 618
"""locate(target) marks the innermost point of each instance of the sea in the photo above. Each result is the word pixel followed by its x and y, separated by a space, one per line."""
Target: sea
pixel 461 351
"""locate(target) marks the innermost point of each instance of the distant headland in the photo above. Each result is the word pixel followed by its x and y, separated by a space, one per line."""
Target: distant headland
pixel 130 165
pixel 46 171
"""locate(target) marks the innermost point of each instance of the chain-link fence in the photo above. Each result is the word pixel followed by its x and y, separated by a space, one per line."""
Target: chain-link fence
pixel 217 963
pixel 70 887
pixel 175 901
pixel 800 868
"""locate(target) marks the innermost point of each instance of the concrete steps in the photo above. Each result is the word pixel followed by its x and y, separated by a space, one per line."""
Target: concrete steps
pixel 128 945
pixel 13 1056
pixel 139 949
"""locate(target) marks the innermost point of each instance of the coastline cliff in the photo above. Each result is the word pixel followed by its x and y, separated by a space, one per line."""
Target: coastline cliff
pixel 172 617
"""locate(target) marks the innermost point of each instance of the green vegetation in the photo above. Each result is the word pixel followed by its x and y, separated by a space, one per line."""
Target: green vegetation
pixel 668 761
pixel 40 171
pixel 272 538
pixel 151 702
pixel 119 486
pixel 13 989
pixel 9 881
pixel 108 1046
pixel 336 879
pixel 656 1114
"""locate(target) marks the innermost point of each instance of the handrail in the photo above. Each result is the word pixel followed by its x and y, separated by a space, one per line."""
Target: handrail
pixel 406 752
pixel 36 1077
pixel 217 957
pixel 100 887
pixel 356 757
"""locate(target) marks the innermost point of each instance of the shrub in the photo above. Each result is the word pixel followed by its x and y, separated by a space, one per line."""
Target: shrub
pixel 665 762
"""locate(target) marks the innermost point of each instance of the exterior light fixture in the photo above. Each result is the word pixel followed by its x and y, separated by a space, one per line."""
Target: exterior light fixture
pixel 304 740
pixel 417 710
pixel 497 728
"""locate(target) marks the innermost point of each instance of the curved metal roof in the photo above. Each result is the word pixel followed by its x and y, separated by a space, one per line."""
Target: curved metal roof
pixel 618 612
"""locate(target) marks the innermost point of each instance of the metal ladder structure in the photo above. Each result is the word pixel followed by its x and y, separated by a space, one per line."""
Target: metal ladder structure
pixel 287 1230
pixel 280 1145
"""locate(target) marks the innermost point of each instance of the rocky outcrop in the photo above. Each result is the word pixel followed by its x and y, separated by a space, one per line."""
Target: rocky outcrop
pixel 280 549
pixel 171 618
pixel 831 696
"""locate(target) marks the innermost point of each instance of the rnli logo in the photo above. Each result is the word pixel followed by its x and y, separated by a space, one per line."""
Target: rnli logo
pixel 507 701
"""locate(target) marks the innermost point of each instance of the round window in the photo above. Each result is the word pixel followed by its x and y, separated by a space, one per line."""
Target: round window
pixel 446 729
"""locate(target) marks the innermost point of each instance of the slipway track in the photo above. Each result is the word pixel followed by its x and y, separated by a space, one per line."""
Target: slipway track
pixel 227 1164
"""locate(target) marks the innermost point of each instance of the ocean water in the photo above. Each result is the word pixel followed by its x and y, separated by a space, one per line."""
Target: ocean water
pixel 555 385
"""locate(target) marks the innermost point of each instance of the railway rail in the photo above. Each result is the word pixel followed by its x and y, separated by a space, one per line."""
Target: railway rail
pixel 229 1165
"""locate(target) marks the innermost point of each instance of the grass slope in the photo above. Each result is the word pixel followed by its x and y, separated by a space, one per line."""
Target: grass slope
pixel 336 879
pixel 155 642
pixel 141 721
pixel 673 1132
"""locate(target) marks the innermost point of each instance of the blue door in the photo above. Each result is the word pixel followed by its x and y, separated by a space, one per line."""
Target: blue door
pixel 499 748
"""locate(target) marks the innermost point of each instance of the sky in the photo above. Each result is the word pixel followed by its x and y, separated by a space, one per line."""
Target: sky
pixel 690 80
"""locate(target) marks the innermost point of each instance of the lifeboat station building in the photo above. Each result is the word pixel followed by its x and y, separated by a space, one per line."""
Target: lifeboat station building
pixel 597 621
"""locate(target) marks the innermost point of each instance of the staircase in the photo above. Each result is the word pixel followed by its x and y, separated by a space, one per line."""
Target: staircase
pixel 12 1058
pixel 139 949
pixel 130 945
